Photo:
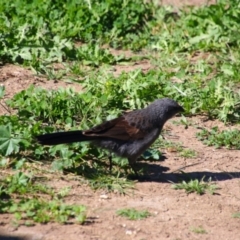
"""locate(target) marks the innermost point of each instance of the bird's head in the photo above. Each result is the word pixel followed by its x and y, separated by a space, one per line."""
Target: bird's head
pixel 164 109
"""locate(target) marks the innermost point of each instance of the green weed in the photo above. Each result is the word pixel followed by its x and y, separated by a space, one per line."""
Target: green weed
pixel 236 215
pixel 188 153
pixel 111 184
pixel 133 214
pixel 226 138
pixel 34 203
pixel 199 230
pixel 200 187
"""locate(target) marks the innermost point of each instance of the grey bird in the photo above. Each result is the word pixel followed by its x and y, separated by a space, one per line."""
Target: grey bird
pixel 127 136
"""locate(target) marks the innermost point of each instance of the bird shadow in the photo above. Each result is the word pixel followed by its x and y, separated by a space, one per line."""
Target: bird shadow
pixel 7 237
pixel 156 173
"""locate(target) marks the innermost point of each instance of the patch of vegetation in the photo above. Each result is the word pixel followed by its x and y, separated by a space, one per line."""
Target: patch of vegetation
pixel 111 184
pixel 33 31
pixel 133 214
pixel 176 147
pixel 236 215
pixel 226 138
pixel 183 121
pixel 151 153
pixel 36 109
pixel 199 230
pixel 32 202
pixel 188 153
pixel 200 187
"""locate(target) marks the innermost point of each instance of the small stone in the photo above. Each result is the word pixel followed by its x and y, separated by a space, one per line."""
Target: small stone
pixel 130 232
pixel 104 196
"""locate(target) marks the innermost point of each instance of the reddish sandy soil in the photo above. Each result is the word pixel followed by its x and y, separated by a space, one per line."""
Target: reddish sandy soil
pixel 175 214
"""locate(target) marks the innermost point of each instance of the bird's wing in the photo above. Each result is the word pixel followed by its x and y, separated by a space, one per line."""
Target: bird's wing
pixel 118 128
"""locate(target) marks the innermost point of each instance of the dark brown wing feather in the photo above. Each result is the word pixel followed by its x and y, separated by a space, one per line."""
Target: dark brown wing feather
pixel 118 128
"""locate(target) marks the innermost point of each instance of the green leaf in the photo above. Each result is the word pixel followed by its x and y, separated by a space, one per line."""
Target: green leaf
pixel 2 91
pixel 8 144
pixel 152 154
pixel 197 39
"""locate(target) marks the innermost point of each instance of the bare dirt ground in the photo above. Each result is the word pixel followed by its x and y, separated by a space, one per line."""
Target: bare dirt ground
pixel 175 214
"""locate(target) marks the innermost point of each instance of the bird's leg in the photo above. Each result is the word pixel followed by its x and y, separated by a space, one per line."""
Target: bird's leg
pixel 110 162
pixel 134 169
pixel 132 165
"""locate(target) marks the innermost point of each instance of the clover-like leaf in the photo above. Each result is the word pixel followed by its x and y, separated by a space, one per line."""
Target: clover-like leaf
pixel 8 144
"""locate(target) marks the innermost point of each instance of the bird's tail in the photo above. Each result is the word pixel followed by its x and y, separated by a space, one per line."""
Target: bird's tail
pixel 62 137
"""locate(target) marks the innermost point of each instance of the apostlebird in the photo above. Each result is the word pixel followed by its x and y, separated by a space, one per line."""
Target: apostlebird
pixel 127 136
